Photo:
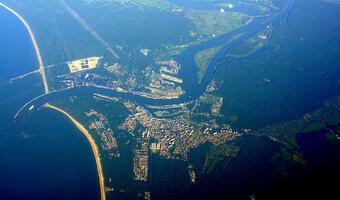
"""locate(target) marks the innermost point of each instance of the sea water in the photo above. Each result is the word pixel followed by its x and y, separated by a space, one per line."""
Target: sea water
pixel 42 154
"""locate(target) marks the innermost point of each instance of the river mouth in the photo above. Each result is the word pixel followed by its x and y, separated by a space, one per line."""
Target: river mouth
pixel 36 151
pixel 193 87
pixel 186 58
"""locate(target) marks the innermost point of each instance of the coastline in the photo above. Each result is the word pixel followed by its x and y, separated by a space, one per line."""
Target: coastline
pixel 93 146
pixel 36 48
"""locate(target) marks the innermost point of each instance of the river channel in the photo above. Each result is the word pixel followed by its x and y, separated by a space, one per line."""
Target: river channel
pixel 186 59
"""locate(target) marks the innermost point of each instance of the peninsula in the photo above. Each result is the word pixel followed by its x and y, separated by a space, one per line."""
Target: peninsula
pixel 93 146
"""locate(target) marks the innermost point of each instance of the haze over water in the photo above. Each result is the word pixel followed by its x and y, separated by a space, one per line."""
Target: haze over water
pixel 42 154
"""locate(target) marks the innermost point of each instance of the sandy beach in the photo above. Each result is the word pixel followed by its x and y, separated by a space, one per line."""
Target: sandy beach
pixel 37 51
pixel 93 146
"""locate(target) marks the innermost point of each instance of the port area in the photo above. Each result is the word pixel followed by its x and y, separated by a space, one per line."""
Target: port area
pixel 83 64
pixel 171 78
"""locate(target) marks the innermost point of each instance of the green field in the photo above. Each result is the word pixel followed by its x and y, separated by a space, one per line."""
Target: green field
pixel 212 23
pixel 203 59
pixel 315 127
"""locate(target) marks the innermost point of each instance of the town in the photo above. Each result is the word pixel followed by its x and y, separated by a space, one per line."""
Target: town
pixel 172 129
pixel 101 126
pixel 177 135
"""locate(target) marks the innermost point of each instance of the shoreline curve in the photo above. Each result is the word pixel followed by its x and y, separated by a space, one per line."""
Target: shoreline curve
pixel 93 146
pixel 36 48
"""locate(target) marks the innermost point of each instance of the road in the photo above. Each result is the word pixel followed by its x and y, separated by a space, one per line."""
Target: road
pixel 37 51
pixel 22 76
pixel 82 22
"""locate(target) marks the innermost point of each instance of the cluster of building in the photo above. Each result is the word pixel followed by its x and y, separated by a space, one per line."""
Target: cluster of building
pixel 155 147
pixel 192 174
pixel 100 124
pixel 156 84
pixel 173 136
pixel 116 69
pixel 216 107
pixel 162 83
pixel 140 161
pixel 215 102
pixel 177 135
pixel 170 66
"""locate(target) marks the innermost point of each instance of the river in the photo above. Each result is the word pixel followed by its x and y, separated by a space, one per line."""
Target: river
pixel 45 146
pixel 186 59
